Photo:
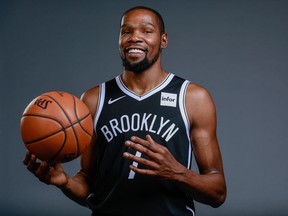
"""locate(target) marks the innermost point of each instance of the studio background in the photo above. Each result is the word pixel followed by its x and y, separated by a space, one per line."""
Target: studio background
pixel 236 49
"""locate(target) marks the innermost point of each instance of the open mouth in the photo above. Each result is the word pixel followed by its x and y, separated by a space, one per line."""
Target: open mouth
pixel 135 52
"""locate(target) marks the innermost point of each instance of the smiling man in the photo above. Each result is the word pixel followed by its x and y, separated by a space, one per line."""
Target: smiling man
pixel 148 123
pixel 135 55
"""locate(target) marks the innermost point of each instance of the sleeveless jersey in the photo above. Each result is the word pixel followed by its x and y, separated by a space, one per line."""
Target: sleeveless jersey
pixel 122 114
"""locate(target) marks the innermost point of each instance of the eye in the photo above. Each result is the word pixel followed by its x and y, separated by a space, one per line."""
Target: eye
pixel 147 31
pixel 125 32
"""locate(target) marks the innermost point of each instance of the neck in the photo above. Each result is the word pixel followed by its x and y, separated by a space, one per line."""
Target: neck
pixel 140 83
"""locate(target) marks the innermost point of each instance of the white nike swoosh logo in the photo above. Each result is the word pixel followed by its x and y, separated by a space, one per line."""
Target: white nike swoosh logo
pixel 111 101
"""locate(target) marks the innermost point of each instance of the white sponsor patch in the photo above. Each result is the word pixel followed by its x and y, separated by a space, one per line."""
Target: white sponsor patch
pixel 168 99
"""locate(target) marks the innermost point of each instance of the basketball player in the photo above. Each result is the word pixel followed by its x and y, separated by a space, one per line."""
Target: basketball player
pixel 148 123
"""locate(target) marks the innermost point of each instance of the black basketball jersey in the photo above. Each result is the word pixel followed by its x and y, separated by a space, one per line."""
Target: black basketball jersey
pixel 122 114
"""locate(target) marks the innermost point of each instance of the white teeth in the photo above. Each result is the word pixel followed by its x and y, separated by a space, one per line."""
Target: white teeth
pixel 135 51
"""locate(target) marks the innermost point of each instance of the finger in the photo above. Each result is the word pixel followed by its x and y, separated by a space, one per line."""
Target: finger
pixel 148 143
pixel 148 163
pixel 150 140
pixel 160 149
pixel 32 164
pixel 27 158
pixel 42 170
pixel 143 171
pixel 148 147
pixel 140 148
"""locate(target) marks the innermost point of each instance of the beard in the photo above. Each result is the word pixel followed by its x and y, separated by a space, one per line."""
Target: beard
pixel 140 66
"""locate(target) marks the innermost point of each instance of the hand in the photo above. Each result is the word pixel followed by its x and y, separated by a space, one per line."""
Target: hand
pixel 160 161
pixel 47 173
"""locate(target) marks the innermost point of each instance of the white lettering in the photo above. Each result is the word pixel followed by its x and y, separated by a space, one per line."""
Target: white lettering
pixel 125 121
pixel 169 132
pixel 108 135
pixel 145 122
pixel 152 124
pixel 114 125
pixel 135 122
pixel 162 124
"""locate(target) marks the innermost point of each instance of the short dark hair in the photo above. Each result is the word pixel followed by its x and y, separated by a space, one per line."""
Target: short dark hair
pixel 158 15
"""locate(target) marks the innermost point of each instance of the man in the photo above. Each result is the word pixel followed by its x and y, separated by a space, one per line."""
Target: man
pixel 147 122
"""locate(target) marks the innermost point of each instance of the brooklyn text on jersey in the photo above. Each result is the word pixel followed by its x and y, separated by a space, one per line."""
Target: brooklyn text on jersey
pixel 140 122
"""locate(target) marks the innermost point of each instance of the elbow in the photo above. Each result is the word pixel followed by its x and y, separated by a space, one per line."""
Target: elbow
pixel 219 196
pixel 219 199
pixel 215 200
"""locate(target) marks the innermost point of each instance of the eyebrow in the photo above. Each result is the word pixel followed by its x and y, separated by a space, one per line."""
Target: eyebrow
pixel 142 25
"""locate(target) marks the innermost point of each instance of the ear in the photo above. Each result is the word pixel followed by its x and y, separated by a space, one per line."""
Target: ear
pixel 164 41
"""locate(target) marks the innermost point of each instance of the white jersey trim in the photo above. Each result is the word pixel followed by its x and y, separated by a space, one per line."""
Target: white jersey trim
pixel 102 90
pixel 132 94
pixel 182 106
pixel 190 209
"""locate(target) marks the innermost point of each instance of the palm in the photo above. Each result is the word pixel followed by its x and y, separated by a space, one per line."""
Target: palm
pixel 57 175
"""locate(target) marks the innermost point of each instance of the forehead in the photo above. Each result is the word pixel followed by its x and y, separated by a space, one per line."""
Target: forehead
pixel 139 17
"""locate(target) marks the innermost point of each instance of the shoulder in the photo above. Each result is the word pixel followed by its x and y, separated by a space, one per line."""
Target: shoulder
pixel 197 93
pixel 90 98
pixel 199 102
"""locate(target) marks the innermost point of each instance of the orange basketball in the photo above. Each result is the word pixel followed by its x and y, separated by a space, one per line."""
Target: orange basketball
pixel 56 127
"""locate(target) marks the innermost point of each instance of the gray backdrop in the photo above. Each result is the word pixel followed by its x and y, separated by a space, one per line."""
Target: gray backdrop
pixel 237 49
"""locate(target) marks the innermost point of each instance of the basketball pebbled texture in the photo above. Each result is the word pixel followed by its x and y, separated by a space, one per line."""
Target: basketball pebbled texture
pixel 56 127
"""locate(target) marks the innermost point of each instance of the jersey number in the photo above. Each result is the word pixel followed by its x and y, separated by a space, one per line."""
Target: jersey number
pixel 132 173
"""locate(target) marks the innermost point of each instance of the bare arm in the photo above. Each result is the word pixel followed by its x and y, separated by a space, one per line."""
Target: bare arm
pixel 78 187
pixel 208 186
pixel 75 187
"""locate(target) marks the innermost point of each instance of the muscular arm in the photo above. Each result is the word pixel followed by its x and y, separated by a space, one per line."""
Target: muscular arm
pixel 209 185
pixel 77 187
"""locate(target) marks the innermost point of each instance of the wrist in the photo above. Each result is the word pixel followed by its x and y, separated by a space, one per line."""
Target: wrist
pixel 184 176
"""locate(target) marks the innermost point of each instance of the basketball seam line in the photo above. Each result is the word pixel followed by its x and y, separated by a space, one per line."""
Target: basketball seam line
pixel 62 128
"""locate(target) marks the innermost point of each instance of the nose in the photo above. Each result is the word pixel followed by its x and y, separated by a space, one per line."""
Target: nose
pixel 135 37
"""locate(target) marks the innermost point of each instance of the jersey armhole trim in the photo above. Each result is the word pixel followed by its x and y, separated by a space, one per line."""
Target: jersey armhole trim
pixel 100 105
pixel 184 114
